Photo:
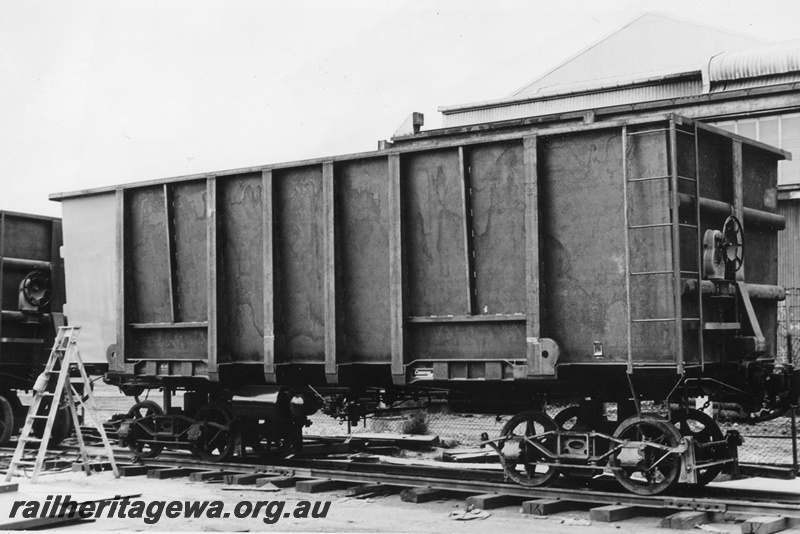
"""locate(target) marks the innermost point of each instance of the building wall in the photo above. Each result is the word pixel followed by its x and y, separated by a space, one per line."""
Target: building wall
pixel 789 276
pixel 567 103
pixel 789 246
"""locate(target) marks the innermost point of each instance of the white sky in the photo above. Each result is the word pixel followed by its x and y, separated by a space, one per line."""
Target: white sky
pixel 103 92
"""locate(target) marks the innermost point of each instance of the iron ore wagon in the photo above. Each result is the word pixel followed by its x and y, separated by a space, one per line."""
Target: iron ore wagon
pixel 502 266
pixel 32 297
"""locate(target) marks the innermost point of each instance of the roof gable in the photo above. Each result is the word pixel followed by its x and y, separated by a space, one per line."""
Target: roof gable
pixel 650 43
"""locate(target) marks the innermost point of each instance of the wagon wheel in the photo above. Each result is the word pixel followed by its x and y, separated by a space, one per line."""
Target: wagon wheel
pixel 702 428
pixel 142 417
pixel 20 411
pixel 576 419
pixel 6 421
pixel 733 243
pixel 217 440
pixel 62 424
pixel 519 454
pixel 647 470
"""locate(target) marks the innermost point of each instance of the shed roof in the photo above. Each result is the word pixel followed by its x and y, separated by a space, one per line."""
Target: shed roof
pixel 650 43
pixel 768 60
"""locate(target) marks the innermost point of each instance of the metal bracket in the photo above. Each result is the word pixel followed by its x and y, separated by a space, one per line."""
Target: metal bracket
pixel 759 342
pixel 542 357
pixel 688 463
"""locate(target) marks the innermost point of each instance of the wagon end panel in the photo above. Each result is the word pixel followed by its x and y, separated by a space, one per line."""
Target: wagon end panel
pixel 25 241
pixel 90 258
pixel 738 180
pixel 716 174
pixel 760 194
pixel 29 255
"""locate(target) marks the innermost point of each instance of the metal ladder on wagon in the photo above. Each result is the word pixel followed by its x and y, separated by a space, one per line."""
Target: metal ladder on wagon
pixel 64 358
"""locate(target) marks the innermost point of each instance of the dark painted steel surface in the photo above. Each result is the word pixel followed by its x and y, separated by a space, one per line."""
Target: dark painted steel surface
pixel 363 222
pixel 582 233
pixel 299 233
pixel 27 243
pixel 481 257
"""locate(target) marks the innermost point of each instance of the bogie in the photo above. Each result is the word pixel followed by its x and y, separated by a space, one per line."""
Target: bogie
pixel 647 454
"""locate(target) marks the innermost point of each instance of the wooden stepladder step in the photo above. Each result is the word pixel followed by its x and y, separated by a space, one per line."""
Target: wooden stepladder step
pixel 64 358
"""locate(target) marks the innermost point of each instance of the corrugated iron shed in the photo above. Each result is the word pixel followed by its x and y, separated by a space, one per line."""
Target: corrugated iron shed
pixel 631 94
pixel 789 265
pixel 769 60
pixel 651 58
pixel 651 42
pixel 789 240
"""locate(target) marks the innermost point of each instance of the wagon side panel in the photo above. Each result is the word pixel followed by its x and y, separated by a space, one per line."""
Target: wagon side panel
pixel 435 230
pixel 497 211
pixel 300 261
pixel 240 276
pixel 465 252
pixel 164 327
pixel 583 258
pixel 362 199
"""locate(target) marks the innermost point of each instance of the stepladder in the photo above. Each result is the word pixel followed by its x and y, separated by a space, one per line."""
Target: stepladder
pixel 54 389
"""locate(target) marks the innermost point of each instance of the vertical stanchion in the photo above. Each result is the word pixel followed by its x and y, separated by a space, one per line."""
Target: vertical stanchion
pixel 794 437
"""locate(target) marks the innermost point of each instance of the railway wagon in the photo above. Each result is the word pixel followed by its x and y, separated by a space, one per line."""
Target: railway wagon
pixel 501 268
pixel 32 297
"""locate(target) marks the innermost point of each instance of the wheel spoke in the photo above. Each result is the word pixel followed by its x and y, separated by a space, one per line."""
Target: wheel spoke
pixel 659 469
pixel 217 438
pixel 143 428
pixel 702 428
pixel 522 453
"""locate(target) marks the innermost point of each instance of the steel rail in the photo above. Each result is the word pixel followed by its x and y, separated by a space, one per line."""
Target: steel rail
pixel 468 481
pixel 451 479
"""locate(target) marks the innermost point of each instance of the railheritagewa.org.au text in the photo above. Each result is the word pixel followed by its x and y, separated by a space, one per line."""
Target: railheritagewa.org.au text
pixel 152 512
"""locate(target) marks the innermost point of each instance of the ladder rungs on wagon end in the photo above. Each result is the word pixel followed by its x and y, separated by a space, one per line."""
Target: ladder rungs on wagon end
pixel 64 357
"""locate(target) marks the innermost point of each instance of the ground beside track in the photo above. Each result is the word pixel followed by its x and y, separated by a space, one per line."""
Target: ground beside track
pixel 379 514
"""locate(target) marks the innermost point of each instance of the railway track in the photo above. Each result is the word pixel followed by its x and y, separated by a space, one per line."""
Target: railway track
pixel 482 488
pixel 467 481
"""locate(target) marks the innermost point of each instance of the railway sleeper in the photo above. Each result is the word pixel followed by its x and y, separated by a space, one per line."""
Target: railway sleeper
pixel 684 512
